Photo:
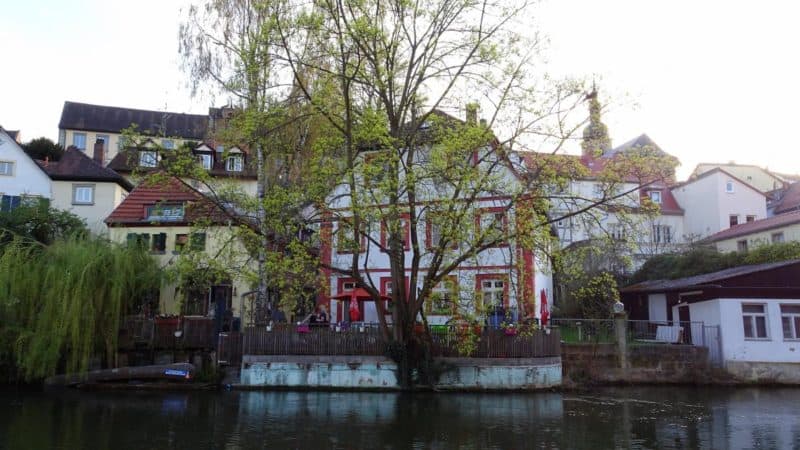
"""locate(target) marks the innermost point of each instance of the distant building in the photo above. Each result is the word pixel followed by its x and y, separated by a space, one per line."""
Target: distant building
pixel 747 236
pixel 760 178
pixel 716 200
pixel 82 186
pixel 21 178
pixel 83 124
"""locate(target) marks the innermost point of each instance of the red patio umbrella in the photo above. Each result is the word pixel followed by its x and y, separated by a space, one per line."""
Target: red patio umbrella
pixel 544 309
pixel 356 295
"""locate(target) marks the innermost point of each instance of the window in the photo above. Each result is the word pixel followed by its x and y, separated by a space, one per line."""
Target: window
pixel 165 213
pixel 197 242
pixel 159 243
pixel 122 142
pixel 347 240
pixel 777 237
pixel 104 139
pixel 443 297
pixel 7 168
pixel 493 223
pixel 655 196
pixel 82 194
pixel 169 144
pixel 617 231
pixel 749 219
pixel 404 225
pixel 206 160
pixel 729 186
pixel 181 241
pixel 350 285
pixel 493 292
pixel 148 158
pixel 140 239
pixel 10 203
pixel 598 190
pixel 234 163
pixel 79 140
pixel 741 245
pixel 754 319
pixel 662 234
pixel 733 219
pixel 790 321
pixel 564 227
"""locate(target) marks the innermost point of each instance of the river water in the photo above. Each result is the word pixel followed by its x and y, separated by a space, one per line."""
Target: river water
pixel 630 417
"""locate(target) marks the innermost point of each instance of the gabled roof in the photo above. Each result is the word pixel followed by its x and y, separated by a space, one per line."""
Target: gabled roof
pixel 151 192
pixel 712 172
pixel 75 165
pixel 639 142
pixel 756 226
pixel 789 201
pixel 83 116
pixel 705 279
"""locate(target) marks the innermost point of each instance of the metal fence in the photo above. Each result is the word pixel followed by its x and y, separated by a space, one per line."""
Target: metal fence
pixel 574 331
pixel 665 332
pixel 367 341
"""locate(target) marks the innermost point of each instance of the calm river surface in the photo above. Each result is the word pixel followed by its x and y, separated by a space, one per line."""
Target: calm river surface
pixel 652 417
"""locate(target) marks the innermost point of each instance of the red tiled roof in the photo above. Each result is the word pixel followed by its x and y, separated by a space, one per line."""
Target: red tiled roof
pixel 669 205
pixel 133 210
pixel 75 165
pixel 790 201
pixel 756 226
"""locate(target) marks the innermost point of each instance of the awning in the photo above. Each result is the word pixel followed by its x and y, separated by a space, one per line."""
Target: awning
pixel 357 294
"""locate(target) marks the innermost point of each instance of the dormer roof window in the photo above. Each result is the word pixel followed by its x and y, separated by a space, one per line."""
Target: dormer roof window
pixel 235 163
pixel 148 158
pixel 655 196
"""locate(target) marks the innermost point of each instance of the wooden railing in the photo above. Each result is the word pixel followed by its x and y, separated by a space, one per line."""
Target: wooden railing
pixel 188 332
pixel 367 341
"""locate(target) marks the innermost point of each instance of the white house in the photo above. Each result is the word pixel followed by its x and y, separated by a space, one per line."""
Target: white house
pixel 756 310
pixel 20 177
pixel 506 276
pixel 716 200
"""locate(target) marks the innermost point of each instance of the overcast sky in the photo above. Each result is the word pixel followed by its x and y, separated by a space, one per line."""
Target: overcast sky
pixel 709 81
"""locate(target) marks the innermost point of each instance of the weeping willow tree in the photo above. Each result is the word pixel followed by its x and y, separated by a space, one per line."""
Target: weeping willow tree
pixel 61 304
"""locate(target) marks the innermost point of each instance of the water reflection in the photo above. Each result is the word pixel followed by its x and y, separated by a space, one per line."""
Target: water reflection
pixel 668 417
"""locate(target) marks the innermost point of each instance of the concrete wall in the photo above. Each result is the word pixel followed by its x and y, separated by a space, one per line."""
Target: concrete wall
pixel 27 178
pixel 366 372
pixel 107 196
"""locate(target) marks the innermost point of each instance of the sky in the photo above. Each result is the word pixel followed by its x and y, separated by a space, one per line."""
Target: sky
pixel 708 81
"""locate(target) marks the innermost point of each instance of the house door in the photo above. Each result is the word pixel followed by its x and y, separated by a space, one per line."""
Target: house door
pixel 685 322
pixel 221 298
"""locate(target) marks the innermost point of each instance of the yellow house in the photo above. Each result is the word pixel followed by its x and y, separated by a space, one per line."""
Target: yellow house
pixel 180 226
pixel 85 188
pixel 82 125
pixel 758 177
pixel 746 236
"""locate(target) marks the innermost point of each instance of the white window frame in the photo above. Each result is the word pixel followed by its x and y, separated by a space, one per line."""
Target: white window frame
pixel 234 163
pixel 78 188
pixel 7 168
pixel 493 292
pixel 444 291
pixel 790 321
pixel 662 234
pixel 751 325
pixel 148 158
pixel 617 231
pixel 777 237
pixel 206 160
pixel 655 196
pixel 729 187
pixel 168 144
pixel 352 285
pixel 75 135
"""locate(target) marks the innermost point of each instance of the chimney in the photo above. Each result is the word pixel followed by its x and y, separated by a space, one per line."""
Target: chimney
pixel 99 151
pixel 472 113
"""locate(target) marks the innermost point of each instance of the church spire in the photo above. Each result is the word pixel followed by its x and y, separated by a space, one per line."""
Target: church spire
pixel 595 135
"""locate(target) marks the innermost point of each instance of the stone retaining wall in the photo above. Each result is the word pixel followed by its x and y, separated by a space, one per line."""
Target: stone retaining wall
pixel 644 363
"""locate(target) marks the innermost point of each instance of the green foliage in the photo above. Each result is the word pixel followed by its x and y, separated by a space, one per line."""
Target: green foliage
pixel 597 295
pixel 700 260
pixel 61 304
pixel 36 220
pixel 43 148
